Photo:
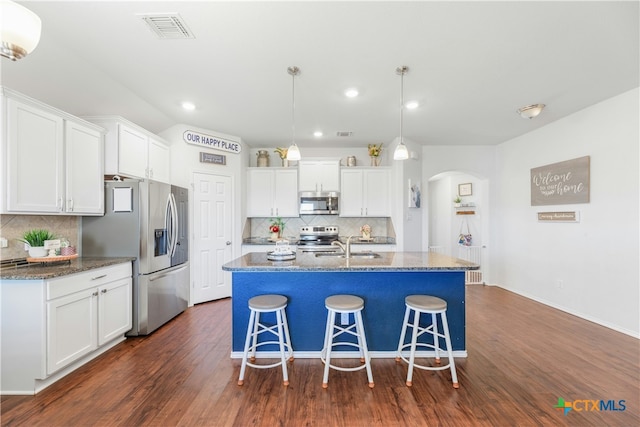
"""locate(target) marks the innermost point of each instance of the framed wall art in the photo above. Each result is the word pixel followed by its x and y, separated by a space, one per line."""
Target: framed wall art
pixel 465 189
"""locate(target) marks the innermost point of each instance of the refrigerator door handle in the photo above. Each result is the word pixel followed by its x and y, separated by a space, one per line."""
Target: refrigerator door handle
pixel 172 224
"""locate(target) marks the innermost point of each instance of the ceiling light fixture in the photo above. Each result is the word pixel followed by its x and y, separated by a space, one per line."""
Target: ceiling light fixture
pixel 351 93
pixel 531 111
pixel 293 153
pixel 317 134
pixel 412 105
pixel 19 30
pixel 189 106
pixel 401 152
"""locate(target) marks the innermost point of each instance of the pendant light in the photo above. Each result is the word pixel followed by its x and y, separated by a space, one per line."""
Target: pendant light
pixel 293 153
pixel 19 30
pixel 401 152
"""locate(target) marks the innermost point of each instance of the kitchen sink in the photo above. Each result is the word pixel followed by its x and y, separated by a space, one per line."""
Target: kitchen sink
pixel 353 254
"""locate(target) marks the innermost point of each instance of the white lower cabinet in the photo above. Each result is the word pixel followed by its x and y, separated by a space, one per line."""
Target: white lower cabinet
pixel 50 327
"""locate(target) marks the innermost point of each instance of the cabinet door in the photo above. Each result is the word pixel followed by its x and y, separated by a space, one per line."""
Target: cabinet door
pixel 132 152
pixel 286 193
pixel 71 328
pixel 34 159
pixel 351 193
pixel 84 170
pixel 376 192
pixel 159 161
pixel 114 310
pixel 319 175
pixel 260 185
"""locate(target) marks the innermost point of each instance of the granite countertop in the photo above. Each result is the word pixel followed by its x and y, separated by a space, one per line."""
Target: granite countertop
pixel 388 261
pixel 375 240
pixel 42 271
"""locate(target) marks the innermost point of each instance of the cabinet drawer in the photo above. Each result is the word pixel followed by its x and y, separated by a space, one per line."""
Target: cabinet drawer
pixel 87 279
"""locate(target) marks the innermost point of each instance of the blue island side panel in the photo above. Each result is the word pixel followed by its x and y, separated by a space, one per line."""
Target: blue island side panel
pixel 383 294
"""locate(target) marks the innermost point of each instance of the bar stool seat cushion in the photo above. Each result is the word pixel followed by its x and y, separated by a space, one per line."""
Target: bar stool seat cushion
pixel 426 302
pixel 344 303
pixel 268 302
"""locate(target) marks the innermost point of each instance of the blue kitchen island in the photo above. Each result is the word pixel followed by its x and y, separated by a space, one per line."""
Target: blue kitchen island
pixel 383 282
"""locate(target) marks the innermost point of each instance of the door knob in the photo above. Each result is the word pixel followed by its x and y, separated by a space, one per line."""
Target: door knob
pixel 228 243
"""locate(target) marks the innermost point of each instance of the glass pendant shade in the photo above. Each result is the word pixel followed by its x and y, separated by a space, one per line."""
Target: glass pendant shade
pixel 401 152
pixel 293 153
pixel 19 30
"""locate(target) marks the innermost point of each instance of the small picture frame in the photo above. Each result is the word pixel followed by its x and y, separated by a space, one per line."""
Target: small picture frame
pixel 465 189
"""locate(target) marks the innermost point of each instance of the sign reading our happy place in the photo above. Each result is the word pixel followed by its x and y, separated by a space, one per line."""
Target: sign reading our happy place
pixel 203 140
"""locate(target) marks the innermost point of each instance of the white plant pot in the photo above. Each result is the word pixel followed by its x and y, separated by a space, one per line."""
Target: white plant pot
pixel 38 252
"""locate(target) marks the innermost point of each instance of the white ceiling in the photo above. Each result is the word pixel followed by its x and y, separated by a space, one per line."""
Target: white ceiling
pixel 471 65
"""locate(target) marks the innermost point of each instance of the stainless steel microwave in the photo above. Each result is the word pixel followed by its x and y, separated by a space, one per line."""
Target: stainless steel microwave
pixel 319 203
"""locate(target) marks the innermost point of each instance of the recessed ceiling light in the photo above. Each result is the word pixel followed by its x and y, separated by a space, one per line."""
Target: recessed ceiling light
pixel 412 105
pixel 317 134
pixel 351 93
pixel 189 106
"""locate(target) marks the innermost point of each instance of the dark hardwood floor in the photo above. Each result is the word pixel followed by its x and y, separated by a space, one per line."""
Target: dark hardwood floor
pixel 522 357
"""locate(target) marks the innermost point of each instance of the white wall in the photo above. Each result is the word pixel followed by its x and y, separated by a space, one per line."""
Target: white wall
pixel 185 160
pixel 589 268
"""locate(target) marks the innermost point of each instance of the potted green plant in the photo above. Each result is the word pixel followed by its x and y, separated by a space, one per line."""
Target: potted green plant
pixel 276 228
pixel 35 239
pixel 457 201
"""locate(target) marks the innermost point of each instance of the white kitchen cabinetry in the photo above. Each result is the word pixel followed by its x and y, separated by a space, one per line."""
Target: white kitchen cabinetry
pixel 319 175
pixel 132 151
pixel 365 192
pixel 53 161
pixel 272 192
pixel 51 327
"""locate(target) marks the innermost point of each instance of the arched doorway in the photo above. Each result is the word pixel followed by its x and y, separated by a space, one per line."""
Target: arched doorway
pixel 447 220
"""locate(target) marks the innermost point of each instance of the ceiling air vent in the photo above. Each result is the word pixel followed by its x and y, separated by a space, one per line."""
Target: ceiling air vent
pixel 344 133
pixel 167 25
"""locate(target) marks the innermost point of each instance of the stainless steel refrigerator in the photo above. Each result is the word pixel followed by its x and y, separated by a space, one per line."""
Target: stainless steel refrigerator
pixel 147 220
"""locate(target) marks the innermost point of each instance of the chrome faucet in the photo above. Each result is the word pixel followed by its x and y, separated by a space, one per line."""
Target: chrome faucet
pixel 346 248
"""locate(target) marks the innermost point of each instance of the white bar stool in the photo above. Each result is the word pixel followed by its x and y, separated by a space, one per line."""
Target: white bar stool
pixel 345 304
pixel 425 304
pixel 267 304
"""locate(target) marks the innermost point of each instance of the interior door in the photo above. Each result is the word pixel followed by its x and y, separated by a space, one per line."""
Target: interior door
pixel 213 224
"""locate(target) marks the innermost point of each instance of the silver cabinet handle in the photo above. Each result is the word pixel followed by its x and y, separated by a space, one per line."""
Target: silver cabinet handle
pixel 99 277
pixel 104 291
pixel 228 243
pixel 95 294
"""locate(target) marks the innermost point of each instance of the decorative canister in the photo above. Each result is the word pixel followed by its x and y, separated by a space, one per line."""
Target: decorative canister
pixel 351 161
pixel 263 158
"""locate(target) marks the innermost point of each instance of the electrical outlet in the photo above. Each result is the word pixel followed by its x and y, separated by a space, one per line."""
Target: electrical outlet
pixel 3 242
pixel 559 284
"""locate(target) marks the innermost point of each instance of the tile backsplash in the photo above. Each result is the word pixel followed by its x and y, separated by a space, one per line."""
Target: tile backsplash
pixel 12 227
pixel 259 227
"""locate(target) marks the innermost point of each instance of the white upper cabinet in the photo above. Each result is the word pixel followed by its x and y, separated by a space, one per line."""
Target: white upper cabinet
pixel 365 192
pixel 84 169
pixel 319 175
pixel 52 161
pixel 272 192
pixel 133 151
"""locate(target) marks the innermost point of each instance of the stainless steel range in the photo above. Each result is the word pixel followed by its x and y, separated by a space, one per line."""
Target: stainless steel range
pixel 314 238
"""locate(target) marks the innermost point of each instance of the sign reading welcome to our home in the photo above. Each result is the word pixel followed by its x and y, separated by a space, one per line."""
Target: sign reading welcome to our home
pixel 203 140
pixel 561 183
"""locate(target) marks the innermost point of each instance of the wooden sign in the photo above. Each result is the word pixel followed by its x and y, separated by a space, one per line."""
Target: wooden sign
pixel 558 216
pixel 217 159
pixel 561 183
